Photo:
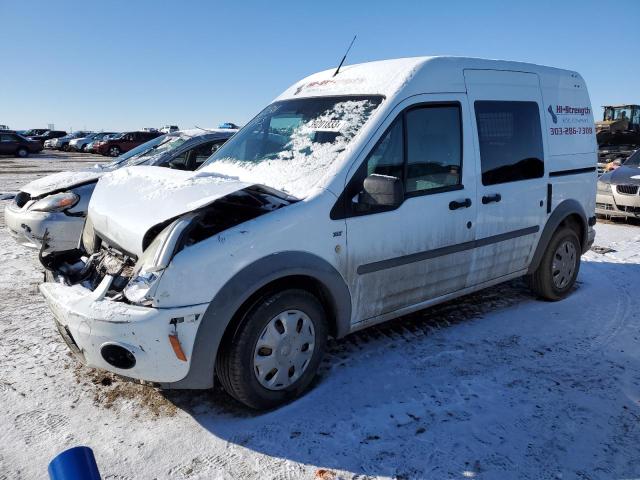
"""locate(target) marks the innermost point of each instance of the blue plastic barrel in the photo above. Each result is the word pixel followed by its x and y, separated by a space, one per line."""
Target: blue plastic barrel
pixel 77 463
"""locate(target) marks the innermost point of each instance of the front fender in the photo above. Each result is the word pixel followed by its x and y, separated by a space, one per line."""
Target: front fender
pixel 228 300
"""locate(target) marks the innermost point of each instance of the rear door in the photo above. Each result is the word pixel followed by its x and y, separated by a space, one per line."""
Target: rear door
pixel 511 196
pixel 8 144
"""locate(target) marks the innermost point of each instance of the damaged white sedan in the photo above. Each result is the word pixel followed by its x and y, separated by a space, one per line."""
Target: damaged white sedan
pixel 344 203
pixel 49 213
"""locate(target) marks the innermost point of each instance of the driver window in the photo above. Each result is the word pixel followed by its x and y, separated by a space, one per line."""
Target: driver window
pixel 434 156
pixel 387 156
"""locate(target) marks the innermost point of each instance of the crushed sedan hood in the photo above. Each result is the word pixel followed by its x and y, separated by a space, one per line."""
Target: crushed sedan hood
pixel 61 181
pixel 127 202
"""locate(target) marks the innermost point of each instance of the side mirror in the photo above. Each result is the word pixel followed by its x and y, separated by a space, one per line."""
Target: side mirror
pixel 382 190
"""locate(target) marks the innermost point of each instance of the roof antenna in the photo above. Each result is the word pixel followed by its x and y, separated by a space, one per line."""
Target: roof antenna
pixel 345 56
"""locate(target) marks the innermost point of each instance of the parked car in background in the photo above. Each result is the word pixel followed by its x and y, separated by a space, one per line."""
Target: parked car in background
pixel 80 144
pixel 344 203
pixel 125 142
pixel 228 125
pixel 17 145
pixel 91 147
pixel 62 143
pixel 618 190
pixel 57 204
pixel 169 129
pixel 34 131
pixel 4 127
pixel 48 135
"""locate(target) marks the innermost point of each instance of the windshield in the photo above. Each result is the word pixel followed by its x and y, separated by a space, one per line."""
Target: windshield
pixel 123 160
pixel 291 143
pixel 617 113
pixel 633 160
pixel 169 143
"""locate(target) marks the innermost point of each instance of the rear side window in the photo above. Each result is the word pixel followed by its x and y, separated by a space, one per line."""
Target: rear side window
pixel 510 140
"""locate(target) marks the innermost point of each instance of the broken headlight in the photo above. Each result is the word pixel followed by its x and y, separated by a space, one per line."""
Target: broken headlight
pixel 153 261
pixel 56 203
pixel 604 188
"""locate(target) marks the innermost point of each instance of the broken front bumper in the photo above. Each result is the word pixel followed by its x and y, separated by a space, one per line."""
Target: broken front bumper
pixel 618 205
pixel 128 340
pixel 27 227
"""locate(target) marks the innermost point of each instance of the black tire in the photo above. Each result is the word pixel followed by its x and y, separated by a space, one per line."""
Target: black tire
pixel 114 151
pixel 542 280
pixel 22 152
pixel 235 362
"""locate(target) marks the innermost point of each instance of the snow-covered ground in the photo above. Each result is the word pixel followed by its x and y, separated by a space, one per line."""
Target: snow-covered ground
pixel 497 385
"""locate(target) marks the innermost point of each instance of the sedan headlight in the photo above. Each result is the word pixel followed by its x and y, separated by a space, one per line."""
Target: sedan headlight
pixel 56 203
pixel 155 258
pixel 604 188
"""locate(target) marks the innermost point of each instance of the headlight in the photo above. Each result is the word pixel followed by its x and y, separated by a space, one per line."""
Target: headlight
pixel 604 188
pixel 155 258
pixel 56 203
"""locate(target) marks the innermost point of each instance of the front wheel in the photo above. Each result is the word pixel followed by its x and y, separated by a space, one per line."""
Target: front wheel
pixel 114 151
pixel 22 152
pixel 276 351
pixel 558 269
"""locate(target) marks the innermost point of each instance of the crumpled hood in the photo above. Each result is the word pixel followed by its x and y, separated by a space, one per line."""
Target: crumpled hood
pixel 622 175
pixel 127 202
pixel 61 181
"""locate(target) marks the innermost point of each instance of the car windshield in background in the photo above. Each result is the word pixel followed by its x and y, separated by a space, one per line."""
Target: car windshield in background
pixel 122 160
pixel 633 160
pixel 291 143
pixel 168 143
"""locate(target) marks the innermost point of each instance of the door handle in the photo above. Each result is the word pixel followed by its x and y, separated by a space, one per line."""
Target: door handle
pixel 454 205
pixel 496 197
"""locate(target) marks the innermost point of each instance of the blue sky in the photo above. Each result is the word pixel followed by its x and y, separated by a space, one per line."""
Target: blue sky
pixel 131 64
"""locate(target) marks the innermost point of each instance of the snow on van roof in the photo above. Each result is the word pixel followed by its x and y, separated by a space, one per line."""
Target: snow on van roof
pixel 389 77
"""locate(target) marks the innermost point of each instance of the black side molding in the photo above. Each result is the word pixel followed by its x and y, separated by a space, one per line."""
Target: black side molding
pixel 575 171
pixel 439 252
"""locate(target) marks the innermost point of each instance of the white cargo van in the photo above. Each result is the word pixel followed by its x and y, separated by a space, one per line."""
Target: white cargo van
pixel 350 200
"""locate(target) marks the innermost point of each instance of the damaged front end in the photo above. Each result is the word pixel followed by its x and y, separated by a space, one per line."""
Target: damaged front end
pixel 99 263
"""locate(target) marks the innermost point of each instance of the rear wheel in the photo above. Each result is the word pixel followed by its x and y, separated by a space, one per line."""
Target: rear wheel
pixel 22 152
pixel 558 269
pixel 114 151
pixel 275 353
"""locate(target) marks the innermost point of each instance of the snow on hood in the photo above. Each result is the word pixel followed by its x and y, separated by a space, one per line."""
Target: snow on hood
pixel 127 202
pixel 61 181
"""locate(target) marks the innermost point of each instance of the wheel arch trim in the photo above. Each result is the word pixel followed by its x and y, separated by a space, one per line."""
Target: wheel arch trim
pixel 563 211
pixel 241 288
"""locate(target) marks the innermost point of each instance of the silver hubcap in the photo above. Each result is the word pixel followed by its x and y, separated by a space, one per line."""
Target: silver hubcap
pixel 284 350
pixel 114 152
pixel 564 264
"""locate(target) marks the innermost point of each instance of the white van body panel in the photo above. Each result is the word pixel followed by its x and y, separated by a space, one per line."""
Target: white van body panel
pixel 420 253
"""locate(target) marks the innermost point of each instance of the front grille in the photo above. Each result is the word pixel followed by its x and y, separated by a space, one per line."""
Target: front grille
pixel 627 189
pixel 625 208
pixel 22 198
pixel 605 206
